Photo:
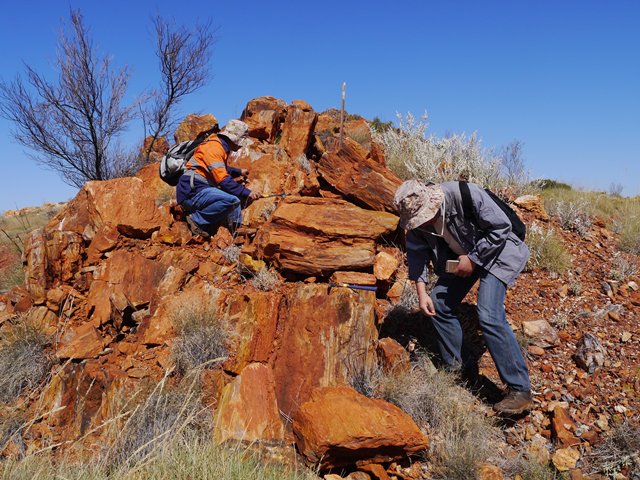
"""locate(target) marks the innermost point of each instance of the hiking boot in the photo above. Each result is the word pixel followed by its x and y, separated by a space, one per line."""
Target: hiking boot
pixel 514 403
pixel 196 229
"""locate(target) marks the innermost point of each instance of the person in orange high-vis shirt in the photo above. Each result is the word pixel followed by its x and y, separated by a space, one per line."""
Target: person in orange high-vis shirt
pixel 207 190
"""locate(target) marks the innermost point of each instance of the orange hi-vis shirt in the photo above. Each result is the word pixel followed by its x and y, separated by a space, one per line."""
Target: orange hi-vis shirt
pixel 210 161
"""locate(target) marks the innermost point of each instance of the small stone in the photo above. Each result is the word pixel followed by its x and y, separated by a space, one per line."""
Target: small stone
pixel 633 286
pixel 487 471
pixel 565 459
pixel 535 350
pixel 541 333
pixel 625 337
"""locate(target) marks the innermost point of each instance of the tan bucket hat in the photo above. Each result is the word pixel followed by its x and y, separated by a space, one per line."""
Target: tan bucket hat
pixel 417 203
pixel 235 131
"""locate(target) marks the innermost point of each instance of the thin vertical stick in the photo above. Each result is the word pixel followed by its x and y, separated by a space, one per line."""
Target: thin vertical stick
pixel 344 91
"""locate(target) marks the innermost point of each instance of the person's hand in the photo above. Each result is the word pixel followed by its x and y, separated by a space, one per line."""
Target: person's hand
pixel 244 172
pixel 465 267
pixel 426 306
pixel 254 195
pixel 424 300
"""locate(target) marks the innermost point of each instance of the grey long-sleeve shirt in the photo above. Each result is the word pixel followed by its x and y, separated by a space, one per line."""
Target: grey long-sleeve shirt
pixel 487 236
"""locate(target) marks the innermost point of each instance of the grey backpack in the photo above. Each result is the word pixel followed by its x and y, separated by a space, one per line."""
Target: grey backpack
pixel 172 165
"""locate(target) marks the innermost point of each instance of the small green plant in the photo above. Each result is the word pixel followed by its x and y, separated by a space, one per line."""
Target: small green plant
pixel 24 362
pixel 547 251
pixel 559 320
pixel 202 337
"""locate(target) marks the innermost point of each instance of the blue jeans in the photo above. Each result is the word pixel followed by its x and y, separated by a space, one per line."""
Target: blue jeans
pixel 211 207
pixel 498 335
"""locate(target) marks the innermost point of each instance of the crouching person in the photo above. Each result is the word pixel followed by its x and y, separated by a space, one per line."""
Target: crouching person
pixel 207 190
pixel 437 229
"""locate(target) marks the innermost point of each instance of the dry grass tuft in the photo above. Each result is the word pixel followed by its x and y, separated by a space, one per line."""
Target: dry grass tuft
pixel 231 253
pixel 195 460
pixel 202 337
pixel 168 417
pixel 529 469
pixel 24 363
pixel 266 280
pixel 620 450
pixel 462 436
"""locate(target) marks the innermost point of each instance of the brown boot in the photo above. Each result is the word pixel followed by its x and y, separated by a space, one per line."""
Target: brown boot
pixel 196 229
pixel 514 403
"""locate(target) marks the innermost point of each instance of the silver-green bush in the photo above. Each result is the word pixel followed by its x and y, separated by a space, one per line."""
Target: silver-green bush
pixel 411 154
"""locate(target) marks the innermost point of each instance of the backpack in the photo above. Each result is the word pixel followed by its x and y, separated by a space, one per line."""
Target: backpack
pixel 517 226
pixel 173 163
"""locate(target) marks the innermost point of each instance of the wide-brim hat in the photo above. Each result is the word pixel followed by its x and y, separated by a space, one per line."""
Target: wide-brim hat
pixel 417 203
pixel 235 131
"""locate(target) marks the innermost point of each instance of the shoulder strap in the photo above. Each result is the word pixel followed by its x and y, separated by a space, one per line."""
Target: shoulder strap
pixel 467 204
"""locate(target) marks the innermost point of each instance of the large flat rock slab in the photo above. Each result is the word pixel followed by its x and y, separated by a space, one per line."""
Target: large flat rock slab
pixel 317 236
pixel 340 427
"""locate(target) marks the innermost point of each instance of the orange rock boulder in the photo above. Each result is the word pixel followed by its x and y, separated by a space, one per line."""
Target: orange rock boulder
pixel 340 427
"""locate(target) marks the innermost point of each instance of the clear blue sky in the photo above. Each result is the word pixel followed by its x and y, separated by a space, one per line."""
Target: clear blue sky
pixel 561 76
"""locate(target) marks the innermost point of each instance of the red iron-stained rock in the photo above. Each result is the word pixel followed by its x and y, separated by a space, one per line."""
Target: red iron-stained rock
pixel 393 357
pixel 327 338
pixel 247 410
pixel 264 115
pixel 194 125
pixel 340 427
pixel 353 174
pixel 317 236
pixel 298 128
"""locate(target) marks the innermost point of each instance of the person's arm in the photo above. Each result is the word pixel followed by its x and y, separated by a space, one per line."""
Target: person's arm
pixel 235 172
pixel 495 224
pixel 418 257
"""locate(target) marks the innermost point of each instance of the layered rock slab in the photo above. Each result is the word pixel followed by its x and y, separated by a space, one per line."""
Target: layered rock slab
pixel 340 427
pixel 353 174
pixel 317 236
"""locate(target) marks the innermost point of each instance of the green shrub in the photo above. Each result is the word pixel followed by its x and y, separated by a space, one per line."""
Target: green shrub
pixel 24 363
pixel 575 216
pixel 547 251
